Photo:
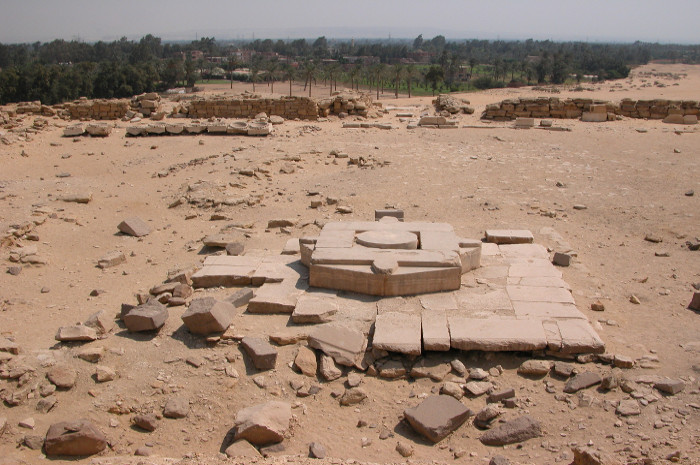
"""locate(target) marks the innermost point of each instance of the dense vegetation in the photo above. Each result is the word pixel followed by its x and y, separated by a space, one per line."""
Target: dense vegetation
pixel 65 70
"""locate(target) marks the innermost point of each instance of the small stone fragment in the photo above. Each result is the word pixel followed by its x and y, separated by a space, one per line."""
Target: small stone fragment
pixel 597 306
pixel 437 416
pixel 582 381
pixel 134 226
pixel 534 368
pixel 670 386
pixel 305 361
pixel 113 258
pixel 148 421
pixel 62 376
pixel 176 407
pixel 513 431
pixel 561 259
pixel 77 333
pixel 405 449
pixel 353 396
pixel 263 424
pixel 104 374
pixel 262 354
pixel 317 450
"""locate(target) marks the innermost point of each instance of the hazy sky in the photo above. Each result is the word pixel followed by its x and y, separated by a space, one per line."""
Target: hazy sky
pixel 594 20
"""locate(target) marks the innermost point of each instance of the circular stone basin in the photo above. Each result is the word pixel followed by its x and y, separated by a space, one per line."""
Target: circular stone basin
pixel 388 240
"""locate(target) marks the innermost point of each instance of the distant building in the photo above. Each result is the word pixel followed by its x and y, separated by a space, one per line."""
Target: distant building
pixel 365 60
pixel 420 56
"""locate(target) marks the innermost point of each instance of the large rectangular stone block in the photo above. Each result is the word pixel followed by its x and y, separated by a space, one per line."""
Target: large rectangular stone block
pixel 398 332
pixel 492 334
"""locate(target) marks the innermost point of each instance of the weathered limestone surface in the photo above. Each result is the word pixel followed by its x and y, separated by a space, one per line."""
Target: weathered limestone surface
pixel 398 332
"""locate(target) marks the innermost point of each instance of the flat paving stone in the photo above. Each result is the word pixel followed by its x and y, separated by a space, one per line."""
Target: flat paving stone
pixel 274 298
pixel 314 309
pixel 398 332
pixel 134 226
pixel 261 352
pixel 538 281
pixel 495 302
pixel 346 345
pixel 509 236
pixel 539 294
pixel 437 416
pixel 495 335
pixel 533 269
pixel 440 301
pixel 578 336
pixel 226 271
pixel 436 333
pixel 490 249
pixel 545 310
pixel 524 251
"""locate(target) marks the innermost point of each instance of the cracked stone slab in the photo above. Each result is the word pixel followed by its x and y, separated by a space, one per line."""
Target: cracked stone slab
pixel 509 236
pixel 578 336
pixel 439 301
pixel 314 309
pixel 539 294
pixel 524 251
pixel 436 332
pixel 495 335
pixel 546 310
pixel 346 345
pixel 398 332
pixel 274 298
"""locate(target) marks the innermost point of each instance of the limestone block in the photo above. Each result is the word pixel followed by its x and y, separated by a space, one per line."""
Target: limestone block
pixel 398 332
pixel 494 334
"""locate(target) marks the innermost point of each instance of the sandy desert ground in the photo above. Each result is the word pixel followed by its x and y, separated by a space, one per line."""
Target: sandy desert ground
pixel 635 178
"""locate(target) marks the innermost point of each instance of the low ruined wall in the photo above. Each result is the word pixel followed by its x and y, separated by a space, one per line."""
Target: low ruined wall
pixel 96 109
pixel 349 103
pixel 553 107
pixel 248 107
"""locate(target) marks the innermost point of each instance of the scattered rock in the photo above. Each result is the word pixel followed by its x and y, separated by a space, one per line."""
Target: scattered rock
pixel 628 407
pixel 634 299
pixel 235 248
pixel 113 258
pixel 150 316
pixel 305 361
pixel 437 416
pixel 33 442
pixel 77 333
pixel 91 354
pixel 317 450
pixel 242 448
pixel 670 386
pixel 263 424
pixel 582 381
pixel 584 455
pixel 353 396
pixel 262 354
pixel 104 374
pixel 652 238
pixel 148 421
pixel 134 226
pixel 77 198
pixel 486 415
pixel 405 449
pixel 561 259
pixel 62 376
pixel 478 388
pixel 77 438
pixel 518 430
pixel 452 389
pixel 176 407
pixel 207 315
pixel 500 396
pixel 328 369
pixel 534 368
pixel 101 322
pixel 598 306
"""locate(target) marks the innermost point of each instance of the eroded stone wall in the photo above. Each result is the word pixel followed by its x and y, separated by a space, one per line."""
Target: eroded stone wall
pixel 248 107
pixel 553 107
pixel 96 109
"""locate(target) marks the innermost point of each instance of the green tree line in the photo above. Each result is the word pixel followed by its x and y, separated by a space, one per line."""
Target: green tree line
pixel 65 70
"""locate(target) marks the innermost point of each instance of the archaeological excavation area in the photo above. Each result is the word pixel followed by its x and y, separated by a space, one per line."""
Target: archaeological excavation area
pixel 503 277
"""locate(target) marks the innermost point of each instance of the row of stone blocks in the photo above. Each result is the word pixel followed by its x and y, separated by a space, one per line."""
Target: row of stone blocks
pixel 248 107
pixel 553 107
pixel 254 128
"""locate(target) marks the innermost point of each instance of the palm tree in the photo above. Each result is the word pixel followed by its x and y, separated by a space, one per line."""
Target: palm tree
pixel 309 74
pixel 232 65
pixel 410 74
pixel 398 71
pixel 254 71
pixel 354 74
pixel 272 67
pixel 379 69
pixel 333 70
pixel 289 73
pixel 472 64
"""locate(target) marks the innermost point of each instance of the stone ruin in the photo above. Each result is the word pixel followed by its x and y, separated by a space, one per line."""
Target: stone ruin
pixel 671 111
pixel 408 287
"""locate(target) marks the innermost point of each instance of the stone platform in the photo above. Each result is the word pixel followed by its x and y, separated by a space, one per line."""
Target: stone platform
pixel 515 301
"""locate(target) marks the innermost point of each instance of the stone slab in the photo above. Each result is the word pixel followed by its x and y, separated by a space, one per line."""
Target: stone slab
pixel 439 301
pixel 379 214
pixel 274 298
pixel 473 302
pixel 539 294
pixel 134 226
pixel 533 269
pixel 496 334
pixel 546 310
pixel 436 333
pixel 524 251
pixel 509 236
pixel 439 240
pixel 346 345
pixel 398 332
pixel 437 416
pixel 538 281
pixel 579 337
pixel 314 309
pixel 292 247
pixel 262 353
